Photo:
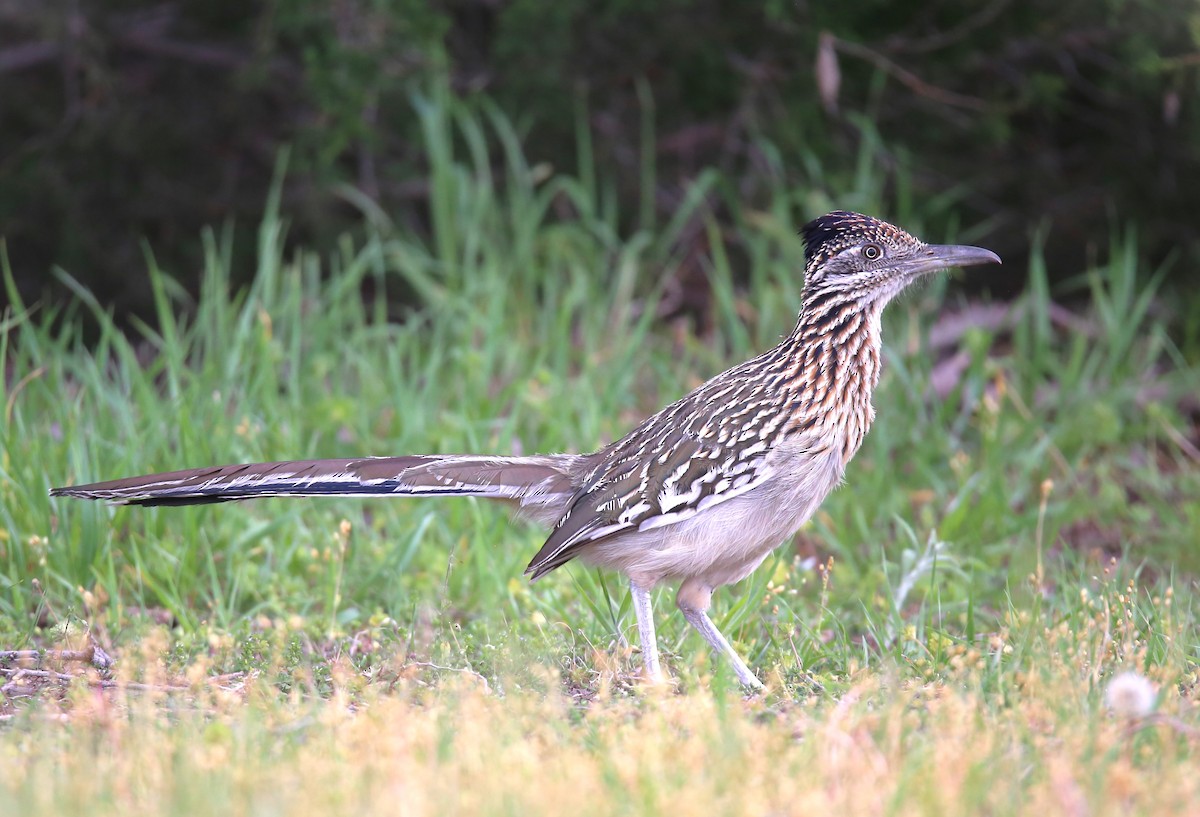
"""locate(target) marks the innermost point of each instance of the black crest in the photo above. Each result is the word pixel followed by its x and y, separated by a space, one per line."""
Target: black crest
pixel 833 232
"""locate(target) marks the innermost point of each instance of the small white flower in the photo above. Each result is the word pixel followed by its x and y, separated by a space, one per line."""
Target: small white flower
pixel 1131 694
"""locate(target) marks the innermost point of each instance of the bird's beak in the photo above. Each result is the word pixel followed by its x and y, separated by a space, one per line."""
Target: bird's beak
pixel 940 256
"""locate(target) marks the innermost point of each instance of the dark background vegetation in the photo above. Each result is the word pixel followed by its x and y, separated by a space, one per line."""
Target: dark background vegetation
pixel 129 120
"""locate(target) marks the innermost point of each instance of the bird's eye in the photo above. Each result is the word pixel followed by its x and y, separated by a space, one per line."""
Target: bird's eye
pixel 871 252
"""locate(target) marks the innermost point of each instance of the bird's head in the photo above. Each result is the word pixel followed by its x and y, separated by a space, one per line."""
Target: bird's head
pixel 870 261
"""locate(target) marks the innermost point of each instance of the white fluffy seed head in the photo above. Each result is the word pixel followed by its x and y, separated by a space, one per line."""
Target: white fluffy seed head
pixel 1131 694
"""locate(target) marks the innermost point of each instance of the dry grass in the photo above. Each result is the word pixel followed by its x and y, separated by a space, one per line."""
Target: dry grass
pixel 879 749
pixel 1000 731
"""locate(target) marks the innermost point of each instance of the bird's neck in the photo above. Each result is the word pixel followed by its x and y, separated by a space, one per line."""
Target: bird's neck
pixel 830 365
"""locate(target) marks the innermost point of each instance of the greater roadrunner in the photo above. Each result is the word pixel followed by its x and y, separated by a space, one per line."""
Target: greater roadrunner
pixel 700 492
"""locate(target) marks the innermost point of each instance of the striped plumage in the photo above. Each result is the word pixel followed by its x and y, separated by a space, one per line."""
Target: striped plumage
pixel 700 492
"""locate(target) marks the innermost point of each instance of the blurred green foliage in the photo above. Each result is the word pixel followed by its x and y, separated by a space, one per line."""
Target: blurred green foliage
pixel 127 120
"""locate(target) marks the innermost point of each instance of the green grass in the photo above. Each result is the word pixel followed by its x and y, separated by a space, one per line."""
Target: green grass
pixel 1003 549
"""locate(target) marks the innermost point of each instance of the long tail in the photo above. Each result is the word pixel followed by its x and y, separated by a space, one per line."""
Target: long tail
pixel 541 485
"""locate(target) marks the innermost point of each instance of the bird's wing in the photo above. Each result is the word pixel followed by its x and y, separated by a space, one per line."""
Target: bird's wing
pixel 662 473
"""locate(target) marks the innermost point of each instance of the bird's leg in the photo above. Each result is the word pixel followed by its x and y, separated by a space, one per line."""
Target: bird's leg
pixel 645 620
pixel 693 600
